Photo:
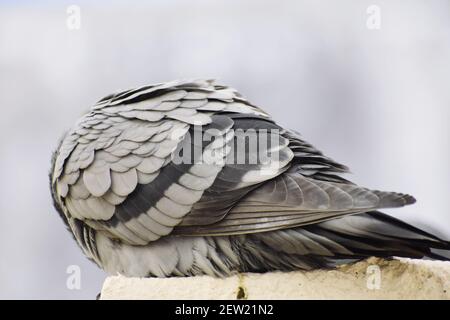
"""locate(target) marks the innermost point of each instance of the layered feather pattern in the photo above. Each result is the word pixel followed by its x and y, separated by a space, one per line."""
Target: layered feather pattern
pixel 144 197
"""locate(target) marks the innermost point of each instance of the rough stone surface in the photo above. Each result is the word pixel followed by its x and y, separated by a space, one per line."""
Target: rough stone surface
pixel 370 279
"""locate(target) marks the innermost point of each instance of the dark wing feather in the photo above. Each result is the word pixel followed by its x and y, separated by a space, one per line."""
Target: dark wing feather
pixel 235 181
pixel 311 191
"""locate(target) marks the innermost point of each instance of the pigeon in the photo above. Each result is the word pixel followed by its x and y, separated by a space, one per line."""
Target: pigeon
pixel 188 178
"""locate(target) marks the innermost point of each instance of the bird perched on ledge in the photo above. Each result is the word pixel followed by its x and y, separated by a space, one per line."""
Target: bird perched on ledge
pixel 134 208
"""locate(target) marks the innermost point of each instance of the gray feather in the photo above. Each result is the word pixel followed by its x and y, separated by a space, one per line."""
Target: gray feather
pixel 135 209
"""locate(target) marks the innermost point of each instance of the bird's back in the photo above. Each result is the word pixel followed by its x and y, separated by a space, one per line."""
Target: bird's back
pixel 188 177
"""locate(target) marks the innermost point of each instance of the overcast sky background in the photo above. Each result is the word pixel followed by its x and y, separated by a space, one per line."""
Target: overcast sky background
pixel 376 100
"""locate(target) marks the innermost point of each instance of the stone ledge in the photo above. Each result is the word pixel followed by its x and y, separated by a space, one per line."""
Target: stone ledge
pixel 373 278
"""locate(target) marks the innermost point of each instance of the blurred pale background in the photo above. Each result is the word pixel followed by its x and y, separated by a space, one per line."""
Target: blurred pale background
pixel 376 100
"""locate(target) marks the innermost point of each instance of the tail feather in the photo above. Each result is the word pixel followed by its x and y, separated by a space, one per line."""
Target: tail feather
pixel 386 236
pixel 347 238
